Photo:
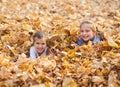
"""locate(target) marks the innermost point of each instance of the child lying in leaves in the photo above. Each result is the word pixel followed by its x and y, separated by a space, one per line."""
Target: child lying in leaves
pixel 39 47
pixel 87 33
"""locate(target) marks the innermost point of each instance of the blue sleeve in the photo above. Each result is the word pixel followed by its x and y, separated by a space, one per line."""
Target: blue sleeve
pixel 97 40
pixel 32 53
pixel 80 42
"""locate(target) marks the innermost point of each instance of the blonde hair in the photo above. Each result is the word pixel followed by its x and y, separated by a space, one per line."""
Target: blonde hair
pixel 92 26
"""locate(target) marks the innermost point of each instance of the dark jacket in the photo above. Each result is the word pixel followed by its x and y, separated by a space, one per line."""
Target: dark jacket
pixel 95 39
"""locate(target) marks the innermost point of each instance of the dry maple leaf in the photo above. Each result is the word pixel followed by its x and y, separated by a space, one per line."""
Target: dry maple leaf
pixel 111 42
pixel 69 82
pixel 112 80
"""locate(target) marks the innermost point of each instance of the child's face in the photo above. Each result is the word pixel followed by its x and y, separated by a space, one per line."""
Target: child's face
pixel 86 32
pixel 40 45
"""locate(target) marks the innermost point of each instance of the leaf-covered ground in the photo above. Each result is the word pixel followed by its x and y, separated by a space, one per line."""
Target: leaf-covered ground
pixel 69 65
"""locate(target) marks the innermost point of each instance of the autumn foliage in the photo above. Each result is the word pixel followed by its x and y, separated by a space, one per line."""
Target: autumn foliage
pixel 68 65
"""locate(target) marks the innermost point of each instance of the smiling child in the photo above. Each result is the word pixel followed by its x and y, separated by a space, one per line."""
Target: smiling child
pixel 87 33
pixel 39 47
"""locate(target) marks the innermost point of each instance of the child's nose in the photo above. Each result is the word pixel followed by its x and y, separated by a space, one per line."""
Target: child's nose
pixel 40 45
pixel 84 33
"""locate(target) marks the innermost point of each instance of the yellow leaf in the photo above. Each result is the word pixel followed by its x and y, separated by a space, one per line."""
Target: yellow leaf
pixel 31 66
pixel 27 27
pixel 38 79
pixel 37 23
pixel 72 54
pixel 104 71
pixel 3 84
pixel 59 17
pixel 66 64
pixel 6 37
pixel 87 70
pixel 84 81
pixel 111 42
pixel 73 84
pixel 87 62
pixel 104 43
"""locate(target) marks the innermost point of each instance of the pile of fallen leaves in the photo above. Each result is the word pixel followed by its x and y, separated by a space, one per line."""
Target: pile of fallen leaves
pixel 69 65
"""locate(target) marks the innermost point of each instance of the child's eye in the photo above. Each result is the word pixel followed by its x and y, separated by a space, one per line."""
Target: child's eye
pixel 81 31
pixel 43 43
pixel 37 43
